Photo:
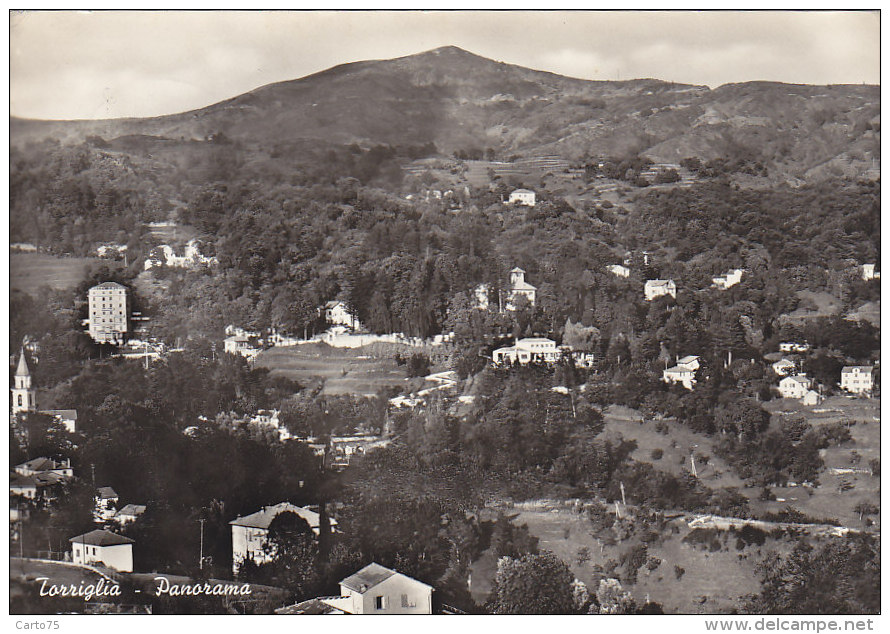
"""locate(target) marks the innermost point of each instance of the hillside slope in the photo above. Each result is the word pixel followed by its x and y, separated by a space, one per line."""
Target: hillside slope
pixel 460 100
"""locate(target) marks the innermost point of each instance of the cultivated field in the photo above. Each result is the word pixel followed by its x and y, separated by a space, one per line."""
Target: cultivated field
pixel 711 582
pixel 342 370
pixel 30 271
pixel 845 481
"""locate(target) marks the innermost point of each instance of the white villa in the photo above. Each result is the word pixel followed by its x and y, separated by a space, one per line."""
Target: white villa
pixel 105 504
pixel 682 373
pixel 619 270
pixel 869 272
pixel 480 293
pixel 730 279
pixel 338 314
pixel 790 346
pixel 104 548
pixel 811 398
pixel 249 533
pixel 372 590
pixel 857 379
pixel 243 345
pixel 784 367
pixel 528 350
pixel 520 288
pixel 165 255
pixel 659 288
pixel 130 513
pixel 795 386
pixel 522 197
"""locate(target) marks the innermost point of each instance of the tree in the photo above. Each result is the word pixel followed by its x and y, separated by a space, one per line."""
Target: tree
pixel 612 598
pixel 534 584
pixel 294 551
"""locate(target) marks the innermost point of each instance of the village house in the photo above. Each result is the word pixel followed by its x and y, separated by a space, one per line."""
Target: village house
pixel 268 418
pixel 130 513
pixel 729 280
pixel 869 272
pixel 109 313
pixel 378 590
pixel 791 346
pixel 337 313
pixel 481 295
pixel 43 486
pixel 238 331
pixel 104 504
pixel 520 288
pixel 522 197
pixel 528 350
pixel 619 270
pixel 682 373
pixel 247 347
pixel 659 288
pixel 104 548
pixel 165 255
pixel 66 417
pixel 784 367
pixel 857 379
pixel 45 465
pixel 250 533
pixel 794 386
pixel 811 398
pixel 111 250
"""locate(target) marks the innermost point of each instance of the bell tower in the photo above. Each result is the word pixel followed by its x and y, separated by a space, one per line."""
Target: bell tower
pixel 24 396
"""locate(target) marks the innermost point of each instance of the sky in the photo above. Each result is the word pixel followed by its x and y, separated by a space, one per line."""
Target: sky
pixel 82 65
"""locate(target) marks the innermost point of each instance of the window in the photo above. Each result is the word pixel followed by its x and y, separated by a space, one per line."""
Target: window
pixel 406 603
pixel 380 602
pixel 20 400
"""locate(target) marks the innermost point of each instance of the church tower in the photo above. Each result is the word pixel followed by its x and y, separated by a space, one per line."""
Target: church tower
pixel 24 396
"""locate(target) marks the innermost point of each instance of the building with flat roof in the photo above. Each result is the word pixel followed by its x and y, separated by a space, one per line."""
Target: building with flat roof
pixel 109 313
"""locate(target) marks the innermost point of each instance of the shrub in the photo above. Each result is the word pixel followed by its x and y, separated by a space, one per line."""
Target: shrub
pixel 657 453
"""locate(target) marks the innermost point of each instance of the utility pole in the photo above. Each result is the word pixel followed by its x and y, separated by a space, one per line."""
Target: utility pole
pixel 623 500
pixel 201 562
pixel 692 462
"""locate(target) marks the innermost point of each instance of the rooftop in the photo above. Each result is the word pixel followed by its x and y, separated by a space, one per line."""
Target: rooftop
pixel 263 518
pixel 40 464
pixel 110 285
pixel 132 509
pixel 850 369
pixel 22 369
pixel 106 493
pixel 370 576
pixel 101 538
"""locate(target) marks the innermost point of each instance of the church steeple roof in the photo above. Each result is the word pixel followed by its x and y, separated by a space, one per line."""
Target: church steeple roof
pixel 23 369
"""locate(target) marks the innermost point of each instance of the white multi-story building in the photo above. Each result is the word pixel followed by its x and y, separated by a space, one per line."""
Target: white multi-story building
pixel 528 350
pixel 109 313
pixel 729 280
pixel 481 295
pixel 659 288
pixel 522 197
pixel 250 533
pixel 165 255
pixel 857 379
pixel 869 272
pixel 338 314
pixel 520 288
pixel 794 386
